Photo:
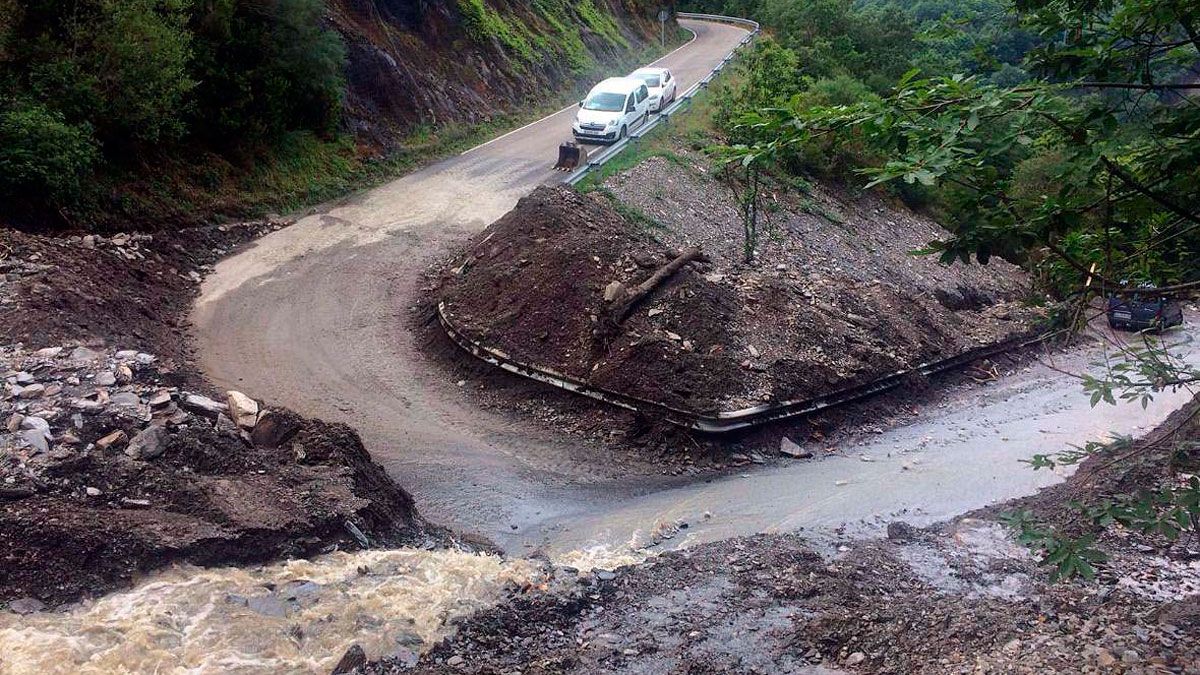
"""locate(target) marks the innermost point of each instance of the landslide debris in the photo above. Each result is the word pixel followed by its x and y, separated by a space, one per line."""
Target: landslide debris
pixel 962 596
pixel 828 304
pixel 134 289
pixel 116 457
pixel 107 471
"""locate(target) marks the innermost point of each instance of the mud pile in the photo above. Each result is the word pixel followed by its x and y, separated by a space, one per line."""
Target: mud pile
pixel 129 288
pixel 826 305
pixel 116 457
pixel 106 472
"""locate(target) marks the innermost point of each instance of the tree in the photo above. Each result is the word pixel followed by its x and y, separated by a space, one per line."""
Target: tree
pixel 41 155
pixel 265 69
pixel 121 65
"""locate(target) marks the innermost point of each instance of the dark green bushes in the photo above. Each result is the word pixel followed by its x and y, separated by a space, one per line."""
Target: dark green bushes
pixel 40 151
pixel 100 86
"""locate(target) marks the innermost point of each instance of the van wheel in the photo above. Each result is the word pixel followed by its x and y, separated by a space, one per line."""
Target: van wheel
pixel 624 133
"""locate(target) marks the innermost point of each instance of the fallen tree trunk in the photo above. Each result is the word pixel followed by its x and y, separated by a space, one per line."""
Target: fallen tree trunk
pixel 655 280
pixel 619 302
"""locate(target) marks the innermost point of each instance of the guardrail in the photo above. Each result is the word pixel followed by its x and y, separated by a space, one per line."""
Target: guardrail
pixel 681 101
pixel 726 421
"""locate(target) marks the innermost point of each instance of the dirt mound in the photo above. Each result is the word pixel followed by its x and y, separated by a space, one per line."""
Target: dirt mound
pixel 116 461
pixel 107 472
pixel 718 335
pixel 131 288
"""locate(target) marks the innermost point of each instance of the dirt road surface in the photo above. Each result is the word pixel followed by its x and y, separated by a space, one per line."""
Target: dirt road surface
pixel 313 317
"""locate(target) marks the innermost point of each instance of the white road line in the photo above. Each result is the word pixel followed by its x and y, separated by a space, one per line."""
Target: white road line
pixel 555 114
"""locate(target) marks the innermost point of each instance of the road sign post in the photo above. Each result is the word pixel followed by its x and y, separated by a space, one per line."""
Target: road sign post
pixel 663 15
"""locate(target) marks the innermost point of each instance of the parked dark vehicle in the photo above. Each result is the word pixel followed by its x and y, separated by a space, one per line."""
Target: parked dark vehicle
pixel 1142 312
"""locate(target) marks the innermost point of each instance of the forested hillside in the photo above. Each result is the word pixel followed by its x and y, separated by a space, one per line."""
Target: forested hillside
pixel 156 111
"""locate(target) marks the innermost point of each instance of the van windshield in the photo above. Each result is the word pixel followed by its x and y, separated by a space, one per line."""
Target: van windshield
pixel 605 101
pixel 650 80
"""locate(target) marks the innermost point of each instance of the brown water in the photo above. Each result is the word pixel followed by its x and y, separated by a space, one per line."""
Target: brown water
pixel 293 617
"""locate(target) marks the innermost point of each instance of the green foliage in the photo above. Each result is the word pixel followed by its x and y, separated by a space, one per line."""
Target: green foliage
pixel 120 65
pixel 104 85
pixel 1138 372
pixel 41 155
pixel 1069 556
pixel 484 23
pixel 1166 512
pixel 266 72
pixel 600 22
pixel 1076 454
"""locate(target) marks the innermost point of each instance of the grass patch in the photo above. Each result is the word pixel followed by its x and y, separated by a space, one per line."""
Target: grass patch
pixel 484 24
pixel 630 213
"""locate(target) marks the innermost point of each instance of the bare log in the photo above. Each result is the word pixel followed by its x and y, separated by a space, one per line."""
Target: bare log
pixel 655 280
pixel 619 302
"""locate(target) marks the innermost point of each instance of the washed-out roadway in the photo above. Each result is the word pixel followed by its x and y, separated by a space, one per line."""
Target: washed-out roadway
pixel 313 317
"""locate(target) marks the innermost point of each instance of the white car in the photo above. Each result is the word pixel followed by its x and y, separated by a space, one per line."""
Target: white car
pixel 611 110
pixel 661 84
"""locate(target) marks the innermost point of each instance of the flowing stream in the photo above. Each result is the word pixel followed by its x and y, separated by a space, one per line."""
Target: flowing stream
pixel 297 616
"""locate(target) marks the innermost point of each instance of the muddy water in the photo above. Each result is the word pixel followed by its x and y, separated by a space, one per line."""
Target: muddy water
pixel 298 616
pixel 962 455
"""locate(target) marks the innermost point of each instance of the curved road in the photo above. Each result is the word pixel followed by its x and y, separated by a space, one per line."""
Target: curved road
pixel 313 317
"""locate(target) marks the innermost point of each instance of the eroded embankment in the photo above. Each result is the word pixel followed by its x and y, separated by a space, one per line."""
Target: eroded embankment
pixel 113 461
pixel 831 301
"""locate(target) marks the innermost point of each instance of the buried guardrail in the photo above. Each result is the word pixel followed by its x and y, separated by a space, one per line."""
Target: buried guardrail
pixel 681 101
pixel 733 420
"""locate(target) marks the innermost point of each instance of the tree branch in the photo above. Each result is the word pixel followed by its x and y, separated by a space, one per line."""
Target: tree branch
pixel 1153 196
pixel 1137 85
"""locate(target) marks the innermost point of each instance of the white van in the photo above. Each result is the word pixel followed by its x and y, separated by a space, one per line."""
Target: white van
pixel 661 84
pixel 611 110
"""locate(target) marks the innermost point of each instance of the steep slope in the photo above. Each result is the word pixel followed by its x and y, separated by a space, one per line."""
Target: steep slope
pixel 429 62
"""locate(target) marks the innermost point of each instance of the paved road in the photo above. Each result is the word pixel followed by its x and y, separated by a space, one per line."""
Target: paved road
pixel 312 317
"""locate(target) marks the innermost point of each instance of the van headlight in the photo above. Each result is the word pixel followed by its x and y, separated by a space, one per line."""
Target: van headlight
pixel 612 124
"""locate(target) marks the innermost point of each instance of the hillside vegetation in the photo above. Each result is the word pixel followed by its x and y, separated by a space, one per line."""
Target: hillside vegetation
pixel 160 111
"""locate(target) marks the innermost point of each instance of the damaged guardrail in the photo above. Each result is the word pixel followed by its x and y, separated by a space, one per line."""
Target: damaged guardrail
pixel 733 420
pixel 681 101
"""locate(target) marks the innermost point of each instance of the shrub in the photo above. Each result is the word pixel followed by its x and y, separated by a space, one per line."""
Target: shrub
pixel 41 155
pixel 139 59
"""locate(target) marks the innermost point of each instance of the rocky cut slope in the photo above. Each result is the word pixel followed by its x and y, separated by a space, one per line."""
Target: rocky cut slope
pixel 429 62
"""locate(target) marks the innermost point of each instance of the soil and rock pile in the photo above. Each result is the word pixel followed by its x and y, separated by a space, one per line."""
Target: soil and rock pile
pixel 831 302
pixel 134 289
pixel 116 457
pixel 106 472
